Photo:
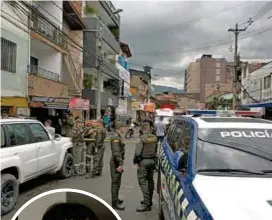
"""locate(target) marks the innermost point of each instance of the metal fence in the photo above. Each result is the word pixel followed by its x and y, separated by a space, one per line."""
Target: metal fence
pixel 45 28
pixel 42 72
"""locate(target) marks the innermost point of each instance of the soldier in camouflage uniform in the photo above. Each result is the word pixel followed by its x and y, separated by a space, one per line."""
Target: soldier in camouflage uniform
pixel 68 125
pixel 78 147
pixel 144 159
pixel 90 148
pixel 116 164
pixel 100 149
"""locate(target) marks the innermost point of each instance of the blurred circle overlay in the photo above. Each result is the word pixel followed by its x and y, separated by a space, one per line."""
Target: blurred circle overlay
pixel 61 204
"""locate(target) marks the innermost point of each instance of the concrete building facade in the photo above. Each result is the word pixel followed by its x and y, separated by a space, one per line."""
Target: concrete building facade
pixel 207 70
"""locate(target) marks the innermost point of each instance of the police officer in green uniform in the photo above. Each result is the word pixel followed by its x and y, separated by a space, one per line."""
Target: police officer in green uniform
pixel 99 149
pixel 144 159
pixel 116 164
pixel 79 146
pixel 90 148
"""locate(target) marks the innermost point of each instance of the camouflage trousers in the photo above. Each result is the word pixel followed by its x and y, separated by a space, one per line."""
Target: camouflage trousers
pixel 98 161
pixel 78 152
pixel 146 182
pixel 89 157
pixel 116 178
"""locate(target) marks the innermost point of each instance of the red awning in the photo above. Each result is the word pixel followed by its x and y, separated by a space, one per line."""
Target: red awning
pixel 169 106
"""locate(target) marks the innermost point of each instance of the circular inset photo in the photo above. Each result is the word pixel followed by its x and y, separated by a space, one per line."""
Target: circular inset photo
pixel 66 204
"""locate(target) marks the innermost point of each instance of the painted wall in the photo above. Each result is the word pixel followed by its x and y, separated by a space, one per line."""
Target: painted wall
pixel 15 84
pixel 49 59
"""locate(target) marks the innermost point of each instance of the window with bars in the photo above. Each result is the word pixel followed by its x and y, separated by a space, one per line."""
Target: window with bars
pixel 8 55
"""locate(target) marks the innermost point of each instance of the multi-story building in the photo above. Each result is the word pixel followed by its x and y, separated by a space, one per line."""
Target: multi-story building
pixel 54 55
pixel 140 89
pixel 15 43
pixel 207 70
pixel 256 85
pixel 124 101
pixel 101 46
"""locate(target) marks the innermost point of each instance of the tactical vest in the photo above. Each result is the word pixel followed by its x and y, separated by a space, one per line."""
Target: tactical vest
pixel 149 147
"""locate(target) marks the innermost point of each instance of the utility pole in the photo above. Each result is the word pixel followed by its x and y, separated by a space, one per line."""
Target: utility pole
pixel 99 73
pixel 236 32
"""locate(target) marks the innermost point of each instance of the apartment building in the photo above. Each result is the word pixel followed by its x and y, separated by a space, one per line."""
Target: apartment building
pixel 256 85
pixel 101 46
pixel 15 43
pixel 124 101
pixel 207 70
pixel 53 69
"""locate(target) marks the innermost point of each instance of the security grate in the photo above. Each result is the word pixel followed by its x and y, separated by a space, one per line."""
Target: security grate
pixel 8 55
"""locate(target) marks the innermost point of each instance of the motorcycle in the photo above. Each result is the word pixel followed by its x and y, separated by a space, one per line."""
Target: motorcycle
pixel 130 131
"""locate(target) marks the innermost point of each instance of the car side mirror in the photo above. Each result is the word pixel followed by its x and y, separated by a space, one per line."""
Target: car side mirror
pixel 57 137
pixel 180 160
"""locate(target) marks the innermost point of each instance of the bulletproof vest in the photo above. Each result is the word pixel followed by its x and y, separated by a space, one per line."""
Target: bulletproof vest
pixel 149 146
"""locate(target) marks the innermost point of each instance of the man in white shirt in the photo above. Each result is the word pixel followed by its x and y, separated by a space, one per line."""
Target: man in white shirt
pixel 160 130
pixel 48 127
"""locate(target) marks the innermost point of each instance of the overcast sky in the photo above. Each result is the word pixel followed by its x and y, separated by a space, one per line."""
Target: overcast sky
pixel 168 35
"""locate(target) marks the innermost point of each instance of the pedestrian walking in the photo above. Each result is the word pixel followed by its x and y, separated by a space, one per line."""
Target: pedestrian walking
pixel 116 164
pixel 49 128
pixel 90 151
pixel 79 147
pixel 160 129
pixel 144 159
pixel 100 149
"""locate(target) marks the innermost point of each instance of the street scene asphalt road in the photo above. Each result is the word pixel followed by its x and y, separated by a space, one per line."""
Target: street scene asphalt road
pixel 130 190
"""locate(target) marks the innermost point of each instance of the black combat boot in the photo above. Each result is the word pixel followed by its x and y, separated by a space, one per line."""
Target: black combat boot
pixel 142 202
pixel 118 206
pixel 143 208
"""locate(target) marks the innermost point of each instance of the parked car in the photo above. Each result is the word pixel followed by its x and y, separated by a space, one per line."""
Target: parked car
pixel 214 167
pixel 29 151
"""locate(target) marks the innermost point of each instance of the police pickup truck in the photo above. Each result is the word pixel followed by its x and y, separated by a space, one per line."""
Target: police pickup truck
pixel 216 168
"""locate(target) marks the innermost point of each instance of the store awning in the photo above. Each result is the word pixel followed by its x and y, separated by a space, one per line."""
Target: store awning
pixel 258 105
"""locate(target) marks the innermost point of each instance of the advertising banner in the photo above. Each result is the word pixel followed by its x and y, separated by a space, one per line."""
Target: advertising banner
pixel 149 107
pixel 79 104
pixel 125 76
pixel 122 107
pixel 48 102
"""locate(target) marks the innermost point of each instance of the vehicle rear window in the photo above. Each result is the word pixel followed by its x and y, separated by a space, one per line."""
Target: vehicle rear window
pixel 18 134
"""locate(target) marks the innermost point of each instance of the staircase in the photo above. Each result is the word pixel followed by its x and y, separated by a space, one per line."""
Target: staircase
pixel 75 77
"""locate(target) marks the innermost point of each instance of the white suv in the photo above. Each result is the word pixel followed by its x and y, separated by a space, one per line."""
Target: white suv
pixel 28 151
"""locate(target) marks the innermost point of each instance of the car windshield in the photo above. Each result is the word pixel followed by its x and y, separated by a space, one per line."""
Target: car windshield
pixel 240 149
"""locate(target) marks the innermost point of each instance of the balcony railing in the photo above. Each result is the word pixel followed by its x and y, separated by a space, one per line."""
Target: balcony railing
pixel 44 27
pixel 43 73
pixel 112 8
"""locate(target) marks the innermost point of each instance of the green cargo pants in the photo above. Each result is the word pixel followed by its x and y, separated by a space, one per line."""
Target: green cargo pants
pixel 146 182
pixel 116 178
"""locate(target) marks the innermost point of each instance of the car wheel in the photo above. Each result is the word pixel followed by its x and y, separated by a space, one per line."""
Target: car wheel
pixel 9 192
pixel 67 168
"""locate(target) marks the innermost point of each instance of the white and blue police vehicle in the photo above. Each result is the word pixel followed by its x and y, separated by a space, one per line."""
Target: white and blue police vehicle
pixel 216 168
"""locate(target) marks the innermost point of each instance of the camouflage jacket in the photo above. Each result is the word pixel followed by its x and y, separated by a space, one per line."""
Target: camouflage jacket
pixel 100 136
pixel 78 135
pixel 118 149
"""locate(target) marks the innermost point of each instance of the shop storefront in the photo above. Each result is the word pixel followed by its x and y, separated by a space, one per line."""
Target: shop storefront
pixel 53 108
pixel 80 107
pixel 14 106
